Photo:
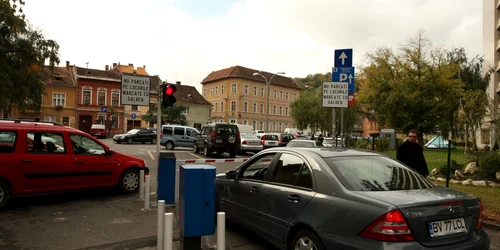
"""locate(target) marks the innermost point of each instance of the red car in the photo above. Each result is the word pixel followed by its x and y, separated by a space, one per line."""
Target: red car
pixel 41 157
pixel 98 131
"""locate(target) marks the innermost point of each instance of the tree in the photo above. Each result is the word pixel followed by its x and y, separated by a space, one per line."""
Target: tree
pixel 170 115
pixel 23 54
pixel 415 88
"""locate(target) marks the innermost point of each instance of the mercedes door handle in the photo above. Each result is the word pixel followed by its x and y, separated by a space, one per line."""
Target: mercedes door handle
pixel 294 198
pixel 254 189
pixel 26 161
pixel 79 162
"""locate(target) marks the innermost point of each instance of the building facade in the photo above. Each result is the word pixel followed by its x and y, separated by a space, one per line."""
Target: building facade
pixel 59 100
pixel 488 134
pixel 197 108
pixel 239 96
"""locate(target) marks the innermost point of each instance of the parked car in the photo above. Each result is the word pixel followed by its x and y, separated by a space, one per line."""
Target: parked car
pixel 270 140
pixel 250 143
pixel 46 157
pixel 304 143
pixel 172 136
pixel 318 198
pixel 218 137
pixel 284 139
pixel 98 131
pixel 142 135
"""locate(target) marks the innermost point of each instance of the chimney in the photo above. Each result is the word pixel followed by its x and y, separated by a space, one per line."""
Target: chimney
pixel 107 67
pixel 178 82
pixel 131 64
pixel 144 66
pixel 114 65
pixel 67 64
pixel 135 71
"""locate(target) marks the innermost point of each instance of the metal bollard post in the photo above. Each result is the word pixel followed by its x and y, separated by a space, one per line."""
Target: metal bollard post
pixel 169 231
pixel 146 194
pixel 161 223
pixel 141 185
pixel 221 231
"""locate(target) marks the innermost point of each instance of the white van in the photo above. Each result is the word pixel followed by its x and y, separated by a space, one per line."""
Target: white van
pixel 245 129
pixel 294 131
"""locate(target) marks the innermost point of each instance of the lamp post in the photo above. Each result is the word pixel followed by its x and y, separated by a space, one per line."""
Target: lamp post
pixel 268 84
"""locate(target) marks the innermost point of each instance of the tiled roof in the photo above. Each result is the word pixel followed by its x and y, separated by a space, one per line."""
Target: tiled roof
pixel 242 72
pixel 110 74
pixel 130 69
pixel 370 116
pixel 183 93
pixel 61 76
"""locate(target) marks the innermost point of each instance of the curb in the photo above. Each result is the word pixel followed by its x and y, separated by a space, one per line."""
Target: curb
pixel 491 225
pixel 145 242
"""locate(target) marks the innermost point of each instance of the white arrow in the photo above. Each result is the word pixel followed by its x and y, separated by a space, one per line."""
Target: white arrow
pixel 342 57
pixel 350 79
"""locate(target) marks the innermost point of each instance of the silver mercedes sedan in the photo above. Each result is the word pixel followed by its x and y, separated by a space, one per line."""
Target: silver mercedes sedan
pixel 322 198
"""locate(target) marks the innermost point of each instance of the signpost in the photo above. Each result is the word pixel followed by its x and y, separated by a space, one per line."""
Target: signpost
pixel 335 94
pixel 133 116
pixel 343 73
pixel 104 109
pixel 135 90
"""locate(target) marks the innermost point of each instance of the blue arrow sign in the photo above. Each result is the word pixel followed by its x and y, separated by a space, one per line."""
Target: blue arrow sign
pixel 344 74
pixel 104 109
pixel 133 116
pixel 343 58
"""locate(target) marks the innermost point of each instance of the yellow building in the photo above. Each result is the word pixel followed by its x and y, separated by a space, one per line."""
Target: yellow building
pixel 239 95
pixel 59 100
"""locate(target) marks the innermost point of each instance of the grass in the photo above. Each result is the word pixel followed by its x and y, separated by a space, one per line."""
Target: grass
pixel 490 196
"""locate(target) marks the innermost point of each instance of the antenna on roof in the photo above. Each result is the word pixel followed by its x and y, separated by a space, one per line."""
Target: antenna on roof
pixel 87 64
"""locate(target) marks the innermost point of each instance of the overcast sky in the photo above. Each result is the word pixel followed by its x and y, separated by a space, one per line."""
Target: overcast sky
pixel 185 40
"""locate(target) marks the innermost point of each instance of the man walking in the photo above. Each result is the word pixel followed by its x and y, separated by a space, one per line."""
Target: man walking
pixel 412 154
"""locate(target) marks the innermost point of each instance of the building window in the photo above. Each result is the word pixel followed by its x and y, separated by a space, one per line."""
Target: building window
pixel 286 95
pixel 233 105
pixel 261 125
pixel 185 111
pixel 65 120
pixel 49 118
pixel 101 97
pixel 211 91
pixel 135 107
pixel 281 110
pixel 274 110
pixel 281 95
pixel 233 88
pixel 115 98
pixel 255 91
pixel 286 111
pixel 222 89
pixel 294 97
pixel 274 126
pixel 286 124
pixel 262 92
pixel 255 107
pixel 59 99
pixel 87 96
pixel 216 105
pixel 262 108
pixel 254 124
pixel 216 90
pixel 114 122
pixel 245 122
pixel 101 119
pixel 245 106
pixel 275 94
pixel 280 127
pixel 233 121
pixel 246 89
pixel 204 92
pixel 222 107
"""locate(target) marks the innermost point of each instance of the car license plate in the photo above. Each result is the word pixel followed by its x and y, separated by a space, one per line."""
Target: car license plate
pixel 218 140
pixel 446 227
pixel 272 142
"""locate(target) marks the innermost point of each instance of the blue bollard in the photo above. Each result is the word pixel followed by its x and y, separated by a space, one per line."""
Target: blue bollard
pixel 166 177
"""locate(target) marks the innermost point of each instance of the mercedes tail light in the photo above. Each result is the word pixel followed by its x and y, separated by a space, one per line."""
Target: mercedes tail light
pixel 479 223
pixel 390 227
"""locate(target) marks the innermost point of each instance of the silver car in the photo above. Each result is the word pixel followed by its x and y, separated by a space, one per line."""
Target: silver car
pixel 321 198
pixel 250 143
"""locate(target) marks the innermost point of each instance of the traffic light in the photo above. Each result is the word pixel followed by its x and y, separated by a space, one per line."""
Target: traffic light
pixel 168 95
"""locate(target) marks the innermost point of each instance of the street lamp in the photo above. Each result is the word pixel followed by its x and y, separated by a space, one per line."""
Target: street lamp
pixel 268 84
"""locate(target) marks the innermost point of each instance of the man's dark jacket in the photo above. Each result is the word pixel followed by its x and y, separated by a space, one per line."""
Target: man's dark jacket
pixel 412 155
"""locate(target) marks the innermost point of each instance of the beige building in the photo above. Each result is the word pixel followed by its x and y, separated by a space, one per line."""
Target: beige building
pixel 491 53
pixel 239 95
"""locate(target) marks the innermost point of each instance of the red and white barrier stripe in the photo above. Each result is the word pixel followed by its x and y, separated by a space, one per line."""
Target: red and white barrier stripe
pixel 216 160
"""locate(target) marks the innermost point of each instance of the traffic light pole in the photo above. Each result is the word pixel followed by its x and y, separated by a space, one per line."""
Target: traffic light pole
pixel 158 119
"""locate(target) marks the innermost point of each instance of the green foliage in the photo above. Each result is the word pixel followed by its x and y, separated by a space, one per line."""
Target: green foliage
pixel 382 144
pixel 23 53
pixel 362 143
pixel 454 165
pixel 170 115
pixel 489 164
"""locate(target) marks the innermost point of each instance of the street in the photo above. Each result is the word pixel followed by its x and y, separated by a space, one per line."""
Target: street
pixel 105 219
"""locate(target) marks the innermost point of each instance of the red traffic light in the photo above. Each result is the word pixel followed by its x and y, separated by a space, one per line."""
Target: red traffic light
pixel 170 90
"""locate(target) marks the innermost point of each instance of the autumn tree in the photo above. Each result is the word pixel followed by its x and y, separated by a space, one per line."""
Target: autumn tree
pixel 23 55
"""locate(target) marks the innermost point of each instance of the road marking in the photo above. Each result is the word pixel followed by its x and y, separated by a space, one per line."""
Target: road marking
pixel 193 154
pixel 151 155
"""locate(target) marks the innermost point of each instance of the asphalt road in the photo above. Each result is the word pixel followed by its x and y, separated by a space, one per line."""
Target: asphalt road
pixel 105 219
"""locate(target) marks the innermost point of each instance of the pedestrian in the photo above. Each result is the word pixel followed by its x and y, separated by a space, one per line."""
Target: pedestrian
pixel 320 138
pixel 412 154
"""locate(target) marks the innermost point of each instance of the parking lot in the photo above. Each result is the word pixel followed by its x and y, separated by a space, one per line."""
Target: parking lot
pixel 105 219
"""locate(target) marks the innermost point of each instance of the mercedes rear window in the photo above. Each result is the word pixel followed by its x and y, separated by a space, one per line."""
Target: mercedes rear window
pixel 376 173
